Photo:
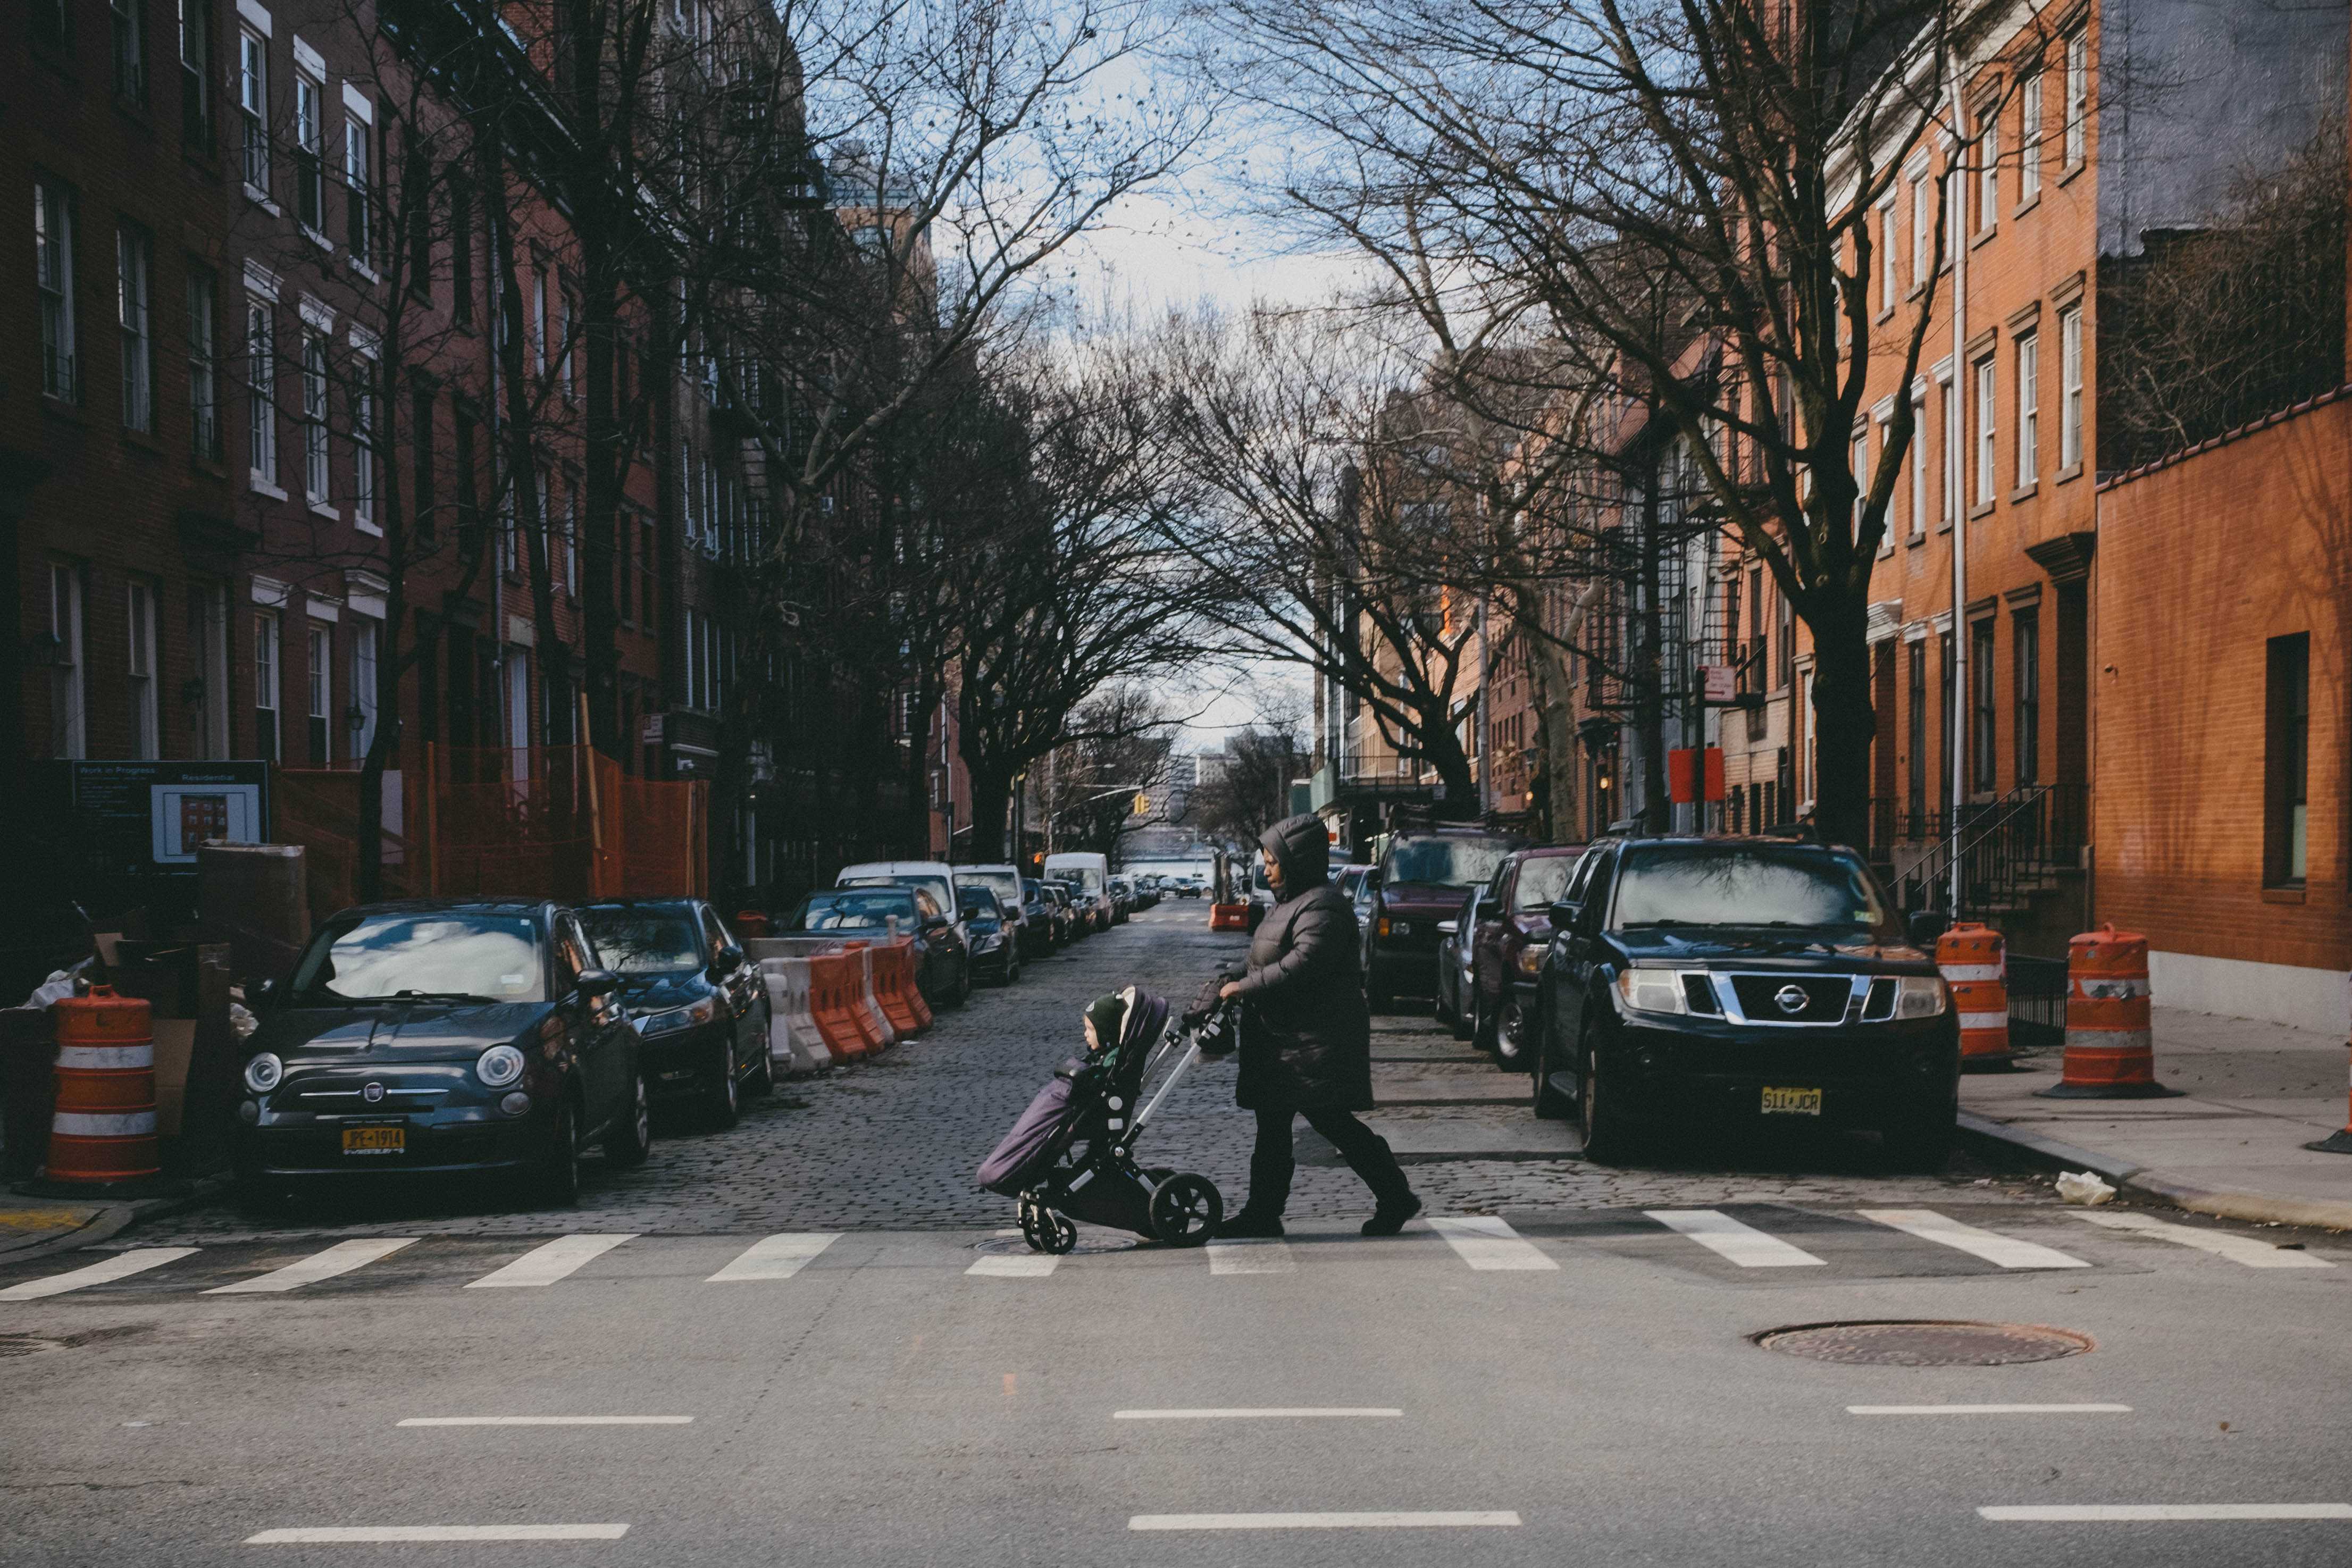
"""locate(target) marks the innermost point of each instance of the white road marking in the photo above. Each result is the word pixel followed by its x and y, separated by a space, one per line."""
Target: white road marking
pixel 545 1265
pixel 340 1259
pixel 1243 1413
pixel 774 1258
pixel 1487 1243
pixel 1726 1237
pixel 547 1421
pixel 1317 1521
pixel 2246 1249
pixel 121 1266
pixel 1991 1246
pixel 2114 1513
pixel 1269 1256
pixel 1988 1410
pixel 364 1534
pixel 1015 1265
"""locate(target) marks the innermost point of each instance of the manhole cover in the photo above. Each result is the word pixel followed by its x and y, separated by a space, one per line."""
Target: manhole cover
pixel 1925 1343
pixel 1087 1243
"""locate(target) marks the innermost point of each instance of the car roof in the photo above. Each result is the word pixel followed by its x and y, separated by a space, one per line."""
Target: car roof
pixel 451 905
pixel 639 903
pixel 894 868
pixel 1550 851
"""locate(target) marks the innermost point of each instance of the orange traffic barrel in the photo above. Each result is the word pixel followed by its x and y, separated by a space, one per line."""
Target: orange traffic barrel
pixel 1975 964
pixel 103 1128
pixel 2337 1143
pixel 2110 1047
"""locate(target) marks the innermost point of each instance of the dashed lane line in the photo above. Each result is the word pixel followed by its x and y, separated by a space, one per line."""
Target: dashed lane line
pixel 2162 1512
pixel 1014 1265
pixel 340 1259
pixel 545 1265
pixel 1296 1412
pixel 1728 1238
pixel 774 1258
pixel 1989 1245
pixel 373 1534
pixel 547 1421
pixel 1988 1410
pixel 1374 1520
pixel 1269 1256
pixel 121 1266
pixel 2245 1249
pixel 1489 1244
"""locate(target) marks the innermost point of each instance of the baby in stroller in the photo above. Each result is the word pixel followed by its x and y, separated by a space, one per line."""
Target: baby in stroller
pixel 1069 1155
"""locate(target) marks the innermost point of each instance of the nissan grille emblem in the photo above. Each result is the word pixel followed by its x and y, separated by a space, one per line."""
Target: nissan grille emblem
pixel 372 1093
pixel 1792 1000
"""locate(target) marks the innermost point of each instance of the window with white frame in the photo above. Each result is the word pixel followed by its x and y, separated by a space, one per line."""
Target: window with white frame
pixel 2029 408
pixel 2070 370
pixel 140 667
pixel 538 322
pixel 53 256
pixel 310 153
pixel 2078 96
pixel 509 560
pixel 363 446
pixel 253 108
pixel 317 472
pixel 129 30
pixel 363 679
pixel 359 192
pixel 1861 476
pixel 1922 230
pixel 1984 412
pixel 261 392
pixel 204 374
pixel 572 539
pixel 2029 137
pixel 1918 463
pixel 1987 168
pixel 319 710
pixel 1887 286
pixel 264 685
pixel 1951 452
pixel 135 276
pixel 69 699
pixel 195 75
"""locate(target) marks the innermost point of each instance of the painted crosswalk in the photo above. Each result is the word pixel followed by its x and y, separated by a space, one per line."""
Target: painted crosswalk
pixel 1738 1242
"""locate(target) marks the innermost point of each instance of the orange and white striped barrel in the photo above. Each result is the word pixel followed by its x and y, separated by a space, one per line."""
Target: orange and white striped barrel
pixel 103 1129
pixel 2110 1047
pixel 1975 963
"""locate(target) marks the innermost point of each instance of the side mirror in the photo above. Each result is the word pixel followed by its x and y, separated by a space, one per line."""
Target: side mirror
pixel 1372 880
pixel 728 959
pixel 1564 916
pixel 598 982
pixel 937 923
pixel 1925 926
pixel 1449 927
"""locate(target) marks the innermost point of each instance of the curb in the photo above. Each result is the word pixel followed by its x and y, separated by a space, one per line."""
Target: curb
pixel 2258 1208
pixel 115 1218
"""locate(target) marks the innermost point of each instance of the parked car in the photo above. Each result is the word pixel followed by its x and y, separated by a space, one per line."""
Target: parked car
pixel 1004 880
pixel 1507 949
pixel 700 1010
pixel 943 960
pixel 1070 922
pixel 1041 921
pixel 1349 880
pixel 1089 873
pixel 1453 963
pixel 1122 900
pixel 1192 884
pixel 1743 981
pixel 995 940
pixel 934 877
pixel 442 1036
pixel 1419 880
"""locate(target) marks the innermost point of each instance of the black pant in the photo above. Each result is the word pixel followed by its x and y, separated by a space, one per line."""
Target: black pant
pixel 1366 1152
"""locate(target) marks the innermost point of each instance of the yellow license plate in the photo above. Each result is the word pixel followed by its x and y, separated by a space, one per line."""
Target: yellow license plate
pixel 1781 1101
pixel 375 1140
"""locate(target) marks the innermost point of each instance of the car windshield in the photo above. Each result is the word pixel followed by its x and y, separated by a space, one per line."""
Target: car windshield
pixel 1453 861
pixel 1541 882
pixel 979 904
pixel 441 956
pixel 854 909
pixel 644 941
pixel 1747 884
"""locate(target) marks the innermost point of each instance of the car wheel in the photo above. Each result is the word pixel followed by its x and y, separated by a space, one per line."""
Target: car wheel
pixel 1607 1140
pixel 1548 1102
pixel 559 1180
pixel 632 1137
pixel 964 981
pixel 1920 1144
pixel 1482 1027
pixel 1442 1008
pixel 762 1081
pixel 1510 1032
pixel 723 1103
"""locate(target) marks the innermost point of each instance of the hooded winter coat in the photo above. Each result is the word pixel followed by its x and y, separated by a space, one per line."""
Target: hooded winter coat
pixel 1307 1036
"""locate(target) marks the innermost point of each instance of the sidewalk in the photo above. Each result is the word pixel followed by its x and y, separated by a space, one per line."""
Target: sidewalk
pixel 34 1227
pixel 2232 1145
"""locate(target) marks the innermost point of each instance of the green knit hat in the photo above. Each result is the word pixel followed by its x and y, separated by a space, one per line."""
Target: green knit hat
pixel 1105 1017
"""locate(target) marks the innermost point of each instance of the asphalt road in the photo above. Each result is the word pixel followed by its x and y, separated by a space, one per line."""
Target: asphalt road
pixel 805 1341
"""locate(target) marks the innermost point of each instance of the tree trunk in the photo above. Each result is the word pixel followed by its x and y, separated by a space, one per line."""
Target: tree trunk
pixel 1441 747
pixel 991 797
pixel 1649 682
pixel 1845 725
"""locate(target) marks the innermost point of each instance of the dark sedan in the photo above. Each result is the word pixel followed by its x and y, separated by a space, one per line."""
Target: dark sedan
pixel 943 963
pixel 442 1036
pixel 1506 947
pixel 1082 914
pixel 1707 981
pixel 699 1008
pixel 1419 882
pixel 996 941
pixel 1042 925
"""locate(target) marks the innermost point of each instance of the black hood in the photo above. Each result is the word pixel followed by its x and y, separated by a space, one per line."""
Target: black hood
pixel 1302 848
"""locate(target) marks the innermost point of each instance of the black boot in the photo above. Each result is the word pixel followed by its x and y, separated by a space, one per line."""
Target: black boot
pixel 1245 1222
pixel 1389 1215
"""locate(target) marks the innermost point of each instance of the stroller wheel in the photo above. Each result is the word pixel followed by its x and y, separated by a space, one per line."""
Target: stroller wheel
pixel 1186 1209
pixel 1045 1230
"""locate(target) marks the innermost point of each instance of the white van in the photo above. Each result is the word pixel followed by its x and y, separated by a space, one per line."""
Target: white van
pixel 1004 880
pixel 934 877
pixel 1090 874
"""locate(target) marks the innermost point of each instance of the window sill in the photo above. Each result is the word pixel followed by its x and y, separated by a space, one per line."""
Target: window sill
pixel 210 467
pixel 319 242
pixel 261 486
pixel 260 198
pixel 2026 205
pixel 1982 509
pixel 143 439
pixel 1918 291
pixel 323 509
pixel 2024 492
pixel 1916 540
pixel 1983 234
pixel 2072 471
pixel 365 527
pixel 1885 314
pixel 2067 175
pixel 1944 527
pixel 364 270
pixel 2282 895
pixel 63 407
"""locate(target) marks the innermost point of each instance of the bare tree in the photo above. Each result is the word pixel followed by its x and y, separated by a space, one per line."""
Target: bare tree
pixel 1248 789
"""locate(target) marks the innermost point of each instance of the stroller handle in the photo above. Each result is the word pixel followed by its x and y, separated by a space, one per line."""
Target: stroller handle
pixel 1221 1017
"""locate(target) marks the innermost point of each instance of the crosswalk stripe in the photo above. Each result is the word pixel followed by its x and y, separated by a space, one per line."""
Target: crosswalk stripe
pixel 1260 1256
pixel 340 1259
pixel 1489 1244
pixel 545 1265
pixel 2142 1513
pixel 1368 1520
pixel 121 1266
pixel 1727 1238
pixel 1989 1245
pixel 2245 1249
pixel 1015 1265
pixel 774 1256
pixel 374 1535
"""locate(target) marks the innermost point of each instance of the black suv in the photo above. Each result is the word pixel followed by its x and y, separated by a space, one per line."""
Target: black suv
pixel 1741 979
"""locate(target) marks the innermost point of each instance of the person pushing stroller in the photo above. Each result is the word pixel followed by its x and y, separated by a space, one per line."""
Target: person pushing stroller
pixel 1306 1037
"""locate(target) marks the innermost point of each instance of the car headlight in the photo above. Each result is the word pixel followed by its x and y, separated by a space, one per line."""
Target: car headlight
pixel 1652 991
pixel 1530 959
pixel 987 941
pixel 498 1066
pixel 1920 995
pixel 675 1018
pixel 264 1072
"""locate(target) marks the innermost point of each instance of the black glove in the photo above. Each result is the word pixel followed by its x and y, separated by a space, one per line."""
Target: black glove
pixel 1207 1002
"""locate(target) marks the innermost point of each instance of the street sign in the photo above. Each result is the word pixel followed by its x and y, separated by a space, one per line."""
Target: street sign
pixel 1717 683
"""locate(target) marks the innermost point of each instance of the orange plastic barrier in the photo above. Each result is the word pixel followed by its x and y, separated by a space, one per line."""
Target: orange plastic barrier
pixel 1975 964
pixel 895 987
pixel 836 1001
pixel 1229 917
pixel 2110 1048
pixel 103 1129
pixel 880 1033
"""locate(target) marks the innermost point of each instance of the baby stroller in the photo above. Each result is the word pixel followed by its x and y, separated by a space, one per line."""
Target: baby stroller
pixel 1068 1157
